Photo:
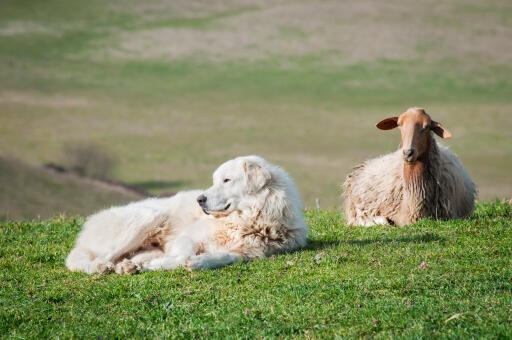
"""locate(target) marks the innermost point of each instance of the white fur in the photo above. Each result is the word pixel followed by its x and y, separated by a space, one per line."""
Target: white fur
pixel 255 213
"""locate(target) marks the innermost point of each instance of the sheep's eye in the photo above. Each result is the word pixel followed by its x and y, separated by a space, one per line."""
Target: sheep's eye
pixel 227 180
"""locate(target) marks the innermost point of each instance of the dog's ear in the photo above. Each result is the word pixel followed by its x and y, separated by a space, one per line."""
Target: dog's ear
pixel 440 130
pixel 256 176
pixel 388 123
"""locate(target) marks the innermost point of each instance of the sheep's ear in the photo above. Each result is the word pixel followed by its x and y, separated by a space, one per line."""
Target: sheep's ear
pixel 388 123
pixel 256 176
pixel 440 130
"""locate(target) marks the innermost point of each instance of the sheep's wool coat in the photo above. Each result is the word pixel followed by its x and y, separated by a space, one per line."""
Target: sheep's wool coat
pixel 166 233
pixel 376 192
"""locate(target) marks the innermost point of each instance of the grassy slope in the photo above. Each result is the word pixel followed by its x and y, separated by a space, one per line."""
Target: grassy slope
pixel 76 71
pixel 32 192
pixel 351 282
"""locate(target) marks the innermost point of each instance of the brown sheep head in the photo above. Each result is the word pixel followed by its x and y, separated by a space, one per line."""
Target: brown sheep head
pixel 415 126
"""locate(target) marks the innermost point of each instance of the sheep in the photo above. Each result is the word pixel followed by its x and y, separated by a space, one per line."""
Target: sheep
pixel 420 180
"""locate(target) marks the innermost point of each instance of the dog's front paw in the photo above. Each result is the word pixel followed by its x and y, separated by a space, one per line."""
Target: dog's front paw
pixel 105 267
pixel 127 267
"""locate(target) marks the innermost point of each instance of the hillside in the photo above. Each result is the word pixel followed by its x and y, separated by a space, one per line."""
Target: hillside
pixel 450 280
pixel 29 192
pixel 174 88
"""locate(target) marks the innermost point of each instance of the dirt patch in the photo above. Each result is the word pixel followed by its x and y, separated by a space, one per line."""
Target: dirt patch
pixel 24 27
pixel 33 99
pixel 349 31
pixel 159 9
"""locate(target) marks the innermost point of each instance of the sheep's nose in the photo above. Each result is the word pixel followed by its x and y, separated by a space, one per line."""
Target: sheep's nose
pixel 408 153
pixel 201 199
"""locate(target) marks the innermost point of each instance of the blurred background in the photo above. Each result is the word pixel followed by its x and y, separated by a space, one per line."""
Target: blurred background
pixel 104 102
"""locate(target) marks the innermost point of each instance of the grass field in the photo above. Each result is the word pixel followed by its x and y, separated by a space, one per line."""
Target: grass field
pixel 449 279
pixel 175 88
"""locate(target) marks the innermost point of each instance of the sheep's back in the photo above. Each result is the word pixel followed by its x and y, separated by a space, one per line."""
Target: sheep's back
pixel 457 188
pixel 375 187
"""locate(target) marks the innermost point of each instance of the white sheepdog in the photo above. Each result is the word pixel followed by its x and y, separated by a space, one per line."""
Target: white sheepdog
pixel 252 210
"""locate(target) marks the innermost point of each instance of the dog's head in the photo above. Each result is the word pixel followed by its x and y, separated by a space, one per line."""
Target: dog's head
pixel 234 183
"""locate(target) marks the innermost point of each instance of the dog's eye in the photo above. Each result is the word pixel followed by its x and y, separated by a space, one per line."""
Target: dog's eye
pixel 227 180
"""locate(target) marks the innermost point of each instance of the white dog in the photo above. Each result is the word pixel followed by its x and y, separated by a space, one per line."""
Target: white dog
pixel 252 210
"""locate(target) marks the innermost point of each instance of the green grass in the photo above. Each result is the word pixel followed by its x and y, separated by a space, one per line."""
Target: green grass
pixel 450 279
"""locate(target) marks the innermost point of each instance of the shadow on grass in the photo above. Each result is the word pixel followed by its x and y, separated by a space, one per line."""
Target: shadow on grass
pixel 419 238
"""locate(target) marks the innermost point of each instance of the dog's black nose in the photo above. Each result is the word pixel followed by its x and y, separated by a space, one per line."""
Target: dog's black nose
pixel 201 199
pixel 408 153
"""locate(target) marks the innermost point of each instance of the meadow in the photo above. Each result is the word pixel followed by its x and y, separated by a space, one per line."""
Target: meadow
pixel 447 279
pixel 174 89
